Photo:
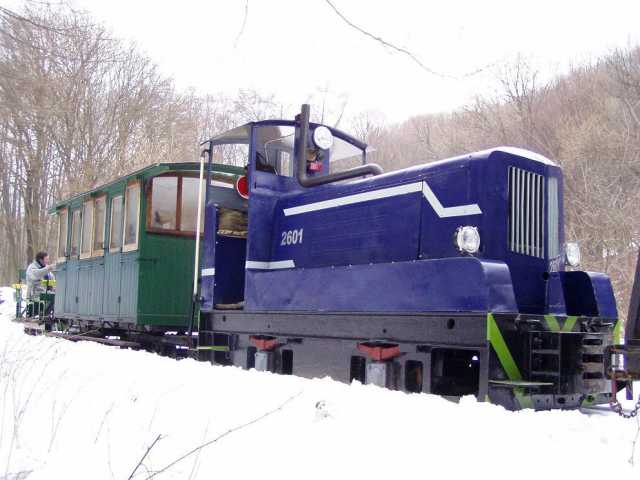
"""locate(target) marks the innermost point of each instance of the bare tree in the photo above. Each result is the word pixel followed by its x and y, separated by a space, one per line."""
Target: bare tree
pixel 77 109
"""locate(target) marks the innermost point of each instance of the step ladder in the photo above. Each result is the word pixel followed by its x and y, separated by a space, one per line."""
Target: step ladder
pixel 545 357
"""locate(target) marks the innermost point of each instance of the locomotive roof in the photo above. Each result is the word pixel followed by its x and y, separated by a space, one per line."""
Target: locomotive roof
pixel 145 172
pixel 242 133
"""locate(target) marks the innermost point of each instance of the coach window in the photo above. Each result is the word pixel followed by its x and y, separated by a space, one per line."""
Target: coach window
pixel 100 217
pixel 131 216
pixel 172 205
pixel 75 233
pixel 87 229
pixel 63 225
pixel 189 205
pixel 163 205
pixel 115 228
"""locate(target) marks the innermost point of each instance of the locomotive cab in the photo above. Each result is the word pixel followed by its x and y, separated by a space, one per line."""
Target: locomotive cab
pixel 268 151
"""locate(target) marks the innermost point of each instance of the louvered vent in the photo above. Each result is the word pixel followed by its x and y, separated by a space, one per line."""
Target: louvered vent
pixel 553 240
pixel 526 212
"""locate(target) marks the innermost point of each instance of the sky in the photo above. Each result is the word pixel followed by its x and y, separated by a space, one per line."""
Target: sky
pixel 297 49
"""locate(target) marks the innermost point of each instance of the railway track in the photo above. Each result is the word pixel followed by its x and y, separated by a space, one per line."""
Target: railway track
pixel 173 346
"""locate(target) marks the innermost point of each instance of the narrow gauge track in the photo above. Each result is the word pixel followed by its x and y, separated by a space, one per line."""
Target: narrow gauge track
pixel 167 345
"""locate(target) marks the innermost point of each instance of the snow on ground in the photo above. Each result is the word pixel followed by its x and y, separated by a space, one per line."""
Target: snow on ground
pixel 83 410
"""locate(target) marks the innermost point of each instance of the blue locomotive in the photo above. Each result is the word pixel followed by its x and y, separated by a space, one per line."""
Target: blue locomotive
pixel 446 278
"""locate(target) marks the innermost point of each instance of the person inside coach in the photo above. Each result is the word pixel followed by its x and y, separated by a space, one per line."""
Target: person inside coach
pixel 37 271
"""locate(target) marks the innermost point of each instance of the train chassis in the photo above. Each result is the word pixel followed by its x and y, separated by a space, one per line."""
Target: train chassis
pixel 518 361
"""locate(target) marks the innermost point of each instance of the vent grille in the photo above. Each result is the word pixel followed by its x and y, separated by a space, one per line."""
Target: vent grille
pixel 554 219
pixel 526 212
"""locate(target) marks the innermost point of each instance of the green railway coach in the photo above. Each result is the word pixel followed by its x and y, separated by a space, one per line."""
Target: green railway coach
pixel 125 250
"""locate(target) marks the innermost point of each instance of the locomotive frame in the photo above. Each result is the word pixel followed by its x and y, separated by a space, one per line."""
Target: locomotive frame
pixel 495 357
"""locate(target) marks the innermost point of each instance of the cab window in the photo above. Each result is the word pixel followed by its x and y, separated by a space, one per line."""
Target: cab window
pixel 275 153
pixel 274 150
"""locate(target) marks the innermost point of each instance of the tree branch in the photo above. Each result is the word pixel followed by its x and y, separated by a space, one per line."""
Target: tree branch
pixel 401 50
pixel 404 51
pixel 228 432
pixel 4 11
pixel 158 438
pixel 244 23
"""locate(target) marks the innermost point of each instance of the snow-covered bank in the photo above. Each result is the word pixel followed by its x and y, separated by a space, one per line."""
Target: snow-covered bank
pixel 82 410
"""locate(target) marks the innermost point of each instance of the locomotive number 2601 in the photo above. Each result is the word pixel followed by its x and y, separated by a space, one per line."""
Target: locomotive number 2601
pixel 292 237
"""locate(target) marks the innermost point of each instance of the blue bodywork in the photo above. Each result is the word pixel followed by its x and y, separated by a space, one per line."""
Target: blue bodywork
pixel 386 243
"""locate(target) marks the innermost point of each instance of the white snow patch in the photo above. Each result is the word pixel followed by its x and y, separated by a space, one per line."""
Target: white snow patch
pixel 82 410
pixel 7 301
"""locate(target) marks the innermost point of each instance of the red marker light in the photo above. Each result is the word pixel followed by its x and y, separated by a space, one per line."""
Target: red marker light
pixel 314 167
pixel 242 186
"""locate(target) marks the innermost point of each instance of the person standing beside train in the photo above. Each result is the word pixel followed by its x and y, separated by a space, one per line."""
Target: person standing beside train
pixel 37 271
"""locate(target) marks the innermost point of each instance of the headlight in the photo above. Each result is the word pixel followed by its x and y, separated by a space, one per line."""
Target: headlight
pixel 572 254
pixel 322 138
pixel 468 239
